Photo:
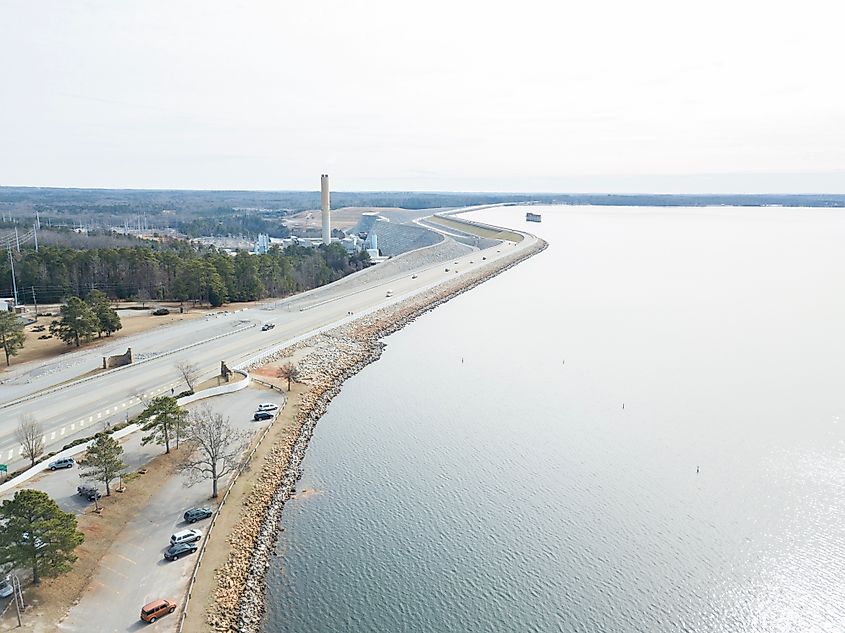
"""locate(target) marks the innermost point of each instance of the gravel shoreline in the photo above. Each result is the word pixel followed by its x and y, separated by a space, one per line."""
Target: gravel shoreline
pixel 237 602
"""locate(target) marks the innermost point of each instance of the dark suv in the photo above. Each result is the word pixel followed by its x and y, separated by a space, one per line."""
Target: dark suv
pixel 88 491
pixel 177 551
pixel 196 514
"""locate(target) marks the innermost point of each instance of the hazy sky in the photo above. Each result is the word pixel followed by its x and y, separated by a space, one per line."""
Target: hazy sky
pixel 593 95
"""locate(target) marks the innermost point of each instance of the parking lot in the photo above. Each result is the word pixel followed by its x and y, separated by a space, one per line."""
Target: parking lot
pixel 134 571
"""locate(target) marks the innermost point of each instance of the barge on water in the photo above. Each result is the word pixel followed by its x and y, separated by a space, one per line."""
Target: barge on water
pixel 533 217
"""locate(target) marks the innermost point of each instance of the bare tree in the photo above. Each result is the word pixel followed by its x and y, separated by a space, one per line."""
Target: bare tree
pixel 218 447
pixel 190 373
pixel 289 372
pixel 30 435
pixel 143 398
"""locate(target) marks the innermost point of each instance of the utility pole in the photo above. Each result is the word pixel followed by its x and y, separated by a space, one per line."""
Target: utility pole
pixel 35 302
pixel 35 233
pixel 14 283
pixel 17 239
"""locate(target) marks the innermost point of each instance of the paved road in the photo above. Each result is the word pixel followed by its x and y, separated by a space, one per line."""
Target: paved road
pixel 134 571
pixel 78 409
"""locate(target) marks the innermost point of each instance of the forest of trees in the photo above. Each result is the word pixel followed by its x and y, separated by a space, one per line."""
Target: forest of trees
pixel 174 272
pixel 229 224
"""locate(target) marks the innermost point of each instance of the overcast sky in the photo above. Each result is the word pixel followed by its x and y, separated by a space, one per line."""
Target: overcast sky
pixel 592 95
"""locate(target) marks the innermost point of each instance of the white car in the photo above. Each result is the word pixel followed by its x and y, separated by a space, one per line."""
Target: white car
pixel 5 588
pixel 186 536
pixel 267 406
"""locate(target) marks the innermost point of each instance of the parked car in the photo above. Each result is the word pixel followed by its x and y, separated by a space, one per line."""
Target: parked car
pixel 38 542
pixel 64 462
pixel 267 406
pixel 267 326
pixel 186 536
pixel 5 587
pixel 177 551
pixel 263 415
pixel 196 514
pixel 157 608
pixel 88 491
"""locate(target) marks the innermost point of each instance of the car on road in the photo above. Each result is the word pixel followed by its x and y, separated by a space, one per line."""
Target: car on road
pixel 186 536
pixel 5 587
pixel 177 551
pixel 154 610
pixel 267 406
pixel 267 326
pixel 389 293
pixel 64 462
pixel 88 491
pixel 263 415
pixel 197 514
pixel 413 276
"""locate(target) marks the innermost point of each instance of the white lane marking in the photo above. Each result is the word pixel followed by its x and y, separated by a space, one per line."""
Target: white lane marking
pixel 43 439
pixel 99 415
pixel 123 405
pixel 20 451
pixel 73 427
pixel 107 410
pixel 9 456
pixel 62 432
pixel 52 435
pixel 81 423
pixel 90 418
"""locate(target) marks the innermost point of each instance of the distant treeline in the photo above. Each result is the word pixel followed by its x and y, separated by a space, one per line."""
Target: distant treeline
pixel 117 202
pixel 174 272
pixel 238 224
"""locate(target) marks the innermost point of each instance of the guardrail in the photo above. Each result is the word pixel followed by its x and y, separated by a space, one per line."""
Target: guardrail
pixel 128 430
pixel 201 553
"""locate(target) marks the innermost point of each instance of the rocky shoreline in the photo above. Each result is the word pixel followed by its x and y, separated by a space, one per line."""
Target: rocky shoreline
pixel 332 357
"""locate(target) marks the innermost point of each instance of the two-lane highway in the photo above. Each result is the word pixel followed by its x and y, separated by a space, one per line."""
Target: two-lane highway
pixel 77 409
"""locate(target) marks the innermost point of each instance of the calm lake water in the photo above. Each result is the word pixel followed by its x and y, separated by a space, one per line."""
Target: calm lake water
pixel 484 475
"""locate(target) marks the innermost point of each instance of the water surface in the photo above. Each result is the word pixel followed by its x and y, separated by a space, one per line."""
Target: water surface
pixel 484 475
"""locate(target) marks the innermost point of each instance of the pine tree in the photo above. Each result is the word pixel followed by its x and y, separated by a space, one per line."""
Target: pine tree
pixel 78 322
pixel 107 317
pixel 12 336
pixel 102 461
pixel 37 534
pixel 164 419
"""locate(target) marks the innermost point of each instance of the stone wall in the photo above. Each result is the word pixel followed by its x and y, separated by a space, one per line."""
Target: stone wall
pixel 119 360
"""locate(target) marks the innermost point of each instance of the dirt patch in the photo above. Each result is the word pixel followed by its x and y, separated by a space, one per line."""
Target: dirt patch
pixel 50 601
pixel 36 349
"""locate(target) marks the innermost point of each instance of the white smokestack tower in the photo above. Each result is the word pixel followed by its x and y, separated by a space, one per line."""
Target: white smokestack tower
pixel 327 222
